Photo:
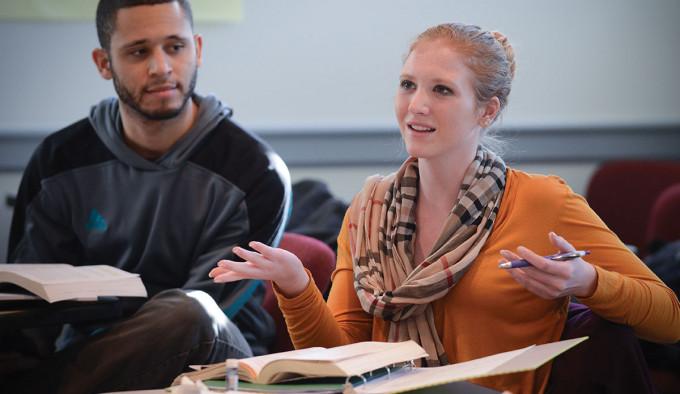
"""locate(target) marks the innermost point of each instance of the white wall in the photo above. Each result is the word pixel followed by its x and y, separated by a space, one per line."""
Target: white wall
pixel 327 64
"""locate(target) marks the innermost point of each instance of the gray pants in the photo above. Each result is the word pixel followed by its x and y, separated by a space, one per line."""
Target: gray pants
pixel 172 330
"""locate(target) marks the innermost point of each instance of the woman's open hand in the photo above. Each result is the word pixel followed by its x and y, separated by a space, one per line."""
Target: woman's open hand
pixel 278 265
pixel 553 279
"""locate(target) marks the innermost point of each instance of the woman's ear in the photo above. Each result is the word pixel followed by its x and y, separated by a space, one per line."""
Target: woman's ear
pixel 489 112
pixel 102 61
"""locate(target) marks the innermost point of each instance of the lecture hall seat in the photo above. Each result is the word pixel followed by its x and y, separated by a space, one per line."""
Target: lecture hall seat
pixel 623 192
pixel 319 259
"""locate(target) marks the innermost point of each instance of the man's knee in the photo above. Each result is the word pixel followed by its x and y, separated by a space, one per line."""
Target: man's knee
pixel 191 311
pixel 193 316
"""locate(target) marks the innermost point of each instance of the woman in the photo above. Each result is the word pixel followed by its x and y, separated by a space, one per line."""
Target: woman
pixel 418 251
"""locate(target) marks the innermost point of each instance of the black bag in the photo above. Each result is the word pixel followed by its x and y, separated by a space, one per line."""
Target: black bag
pixel 665 263
pixel 316 212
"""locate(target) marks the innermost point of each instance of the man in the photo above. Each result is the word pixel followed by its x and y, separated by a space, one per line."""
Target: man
pixel 159 182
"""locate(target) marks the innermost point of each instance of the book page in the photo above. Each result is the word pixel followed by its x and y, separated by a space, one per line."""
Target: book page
pixel 538 356
pixel 424 377
pixel 393 353
pixel 342 361
pixel 65 273
pixel 255 364
pixel 249 368
pixel 41 273
pixel 341 352
pixel 102 272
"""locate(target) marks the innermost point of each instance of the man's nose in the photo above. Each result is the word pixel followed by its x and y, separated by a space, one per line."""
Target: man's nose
pixel 159 63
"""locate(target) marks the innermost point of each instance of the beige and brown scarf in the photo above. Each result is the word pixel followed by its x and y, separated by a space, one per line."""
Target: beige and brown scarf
pixel 388 282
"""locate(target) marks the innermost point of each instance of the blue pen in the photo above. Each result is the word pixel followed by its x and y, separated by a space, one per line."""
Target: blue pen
pixel 557 257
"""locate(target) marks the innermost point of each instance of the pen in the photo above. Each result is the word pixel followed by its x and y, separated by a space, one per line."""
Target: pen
pixel 557 257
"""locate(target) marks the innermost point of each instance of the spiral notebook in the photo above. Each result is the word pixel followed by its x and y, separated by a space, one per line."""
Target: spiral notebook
pixel 521 360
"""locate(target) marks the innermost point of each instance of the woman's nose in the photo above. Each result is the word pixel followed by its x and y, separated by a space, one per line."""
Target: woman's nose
pixel 419 103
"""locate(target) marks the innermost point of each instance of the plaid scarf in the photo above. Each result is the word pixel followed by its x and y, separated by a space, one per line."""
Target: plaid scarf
pixel 388 282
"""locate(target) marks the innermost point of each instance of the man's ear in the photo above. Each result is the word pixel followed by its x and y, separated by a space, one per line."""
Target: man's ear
pixel 490 111
pixel 103 63
pixel 198 43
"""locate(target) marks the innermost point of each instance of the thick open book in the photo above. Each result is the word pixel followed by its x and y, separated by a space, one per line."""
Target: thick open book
pixel 341 361
pixel 58 282
pixel 359 359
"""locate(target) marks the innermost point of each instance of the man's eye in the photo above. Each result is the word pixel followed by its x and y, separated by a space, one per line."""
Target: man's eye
pixel 176 47
pixel 406 84
pixel 443 90
pixel 138 52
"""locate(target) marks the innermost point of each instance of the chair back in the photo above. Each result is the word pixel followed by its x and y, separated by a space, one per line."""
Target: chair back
pixel 664 219
pixel 623 192
pixel 319 259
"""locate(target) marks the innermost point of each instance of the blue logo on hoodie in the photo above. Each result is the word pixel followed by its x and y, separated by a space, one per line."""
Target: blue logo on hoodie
pixel 96 222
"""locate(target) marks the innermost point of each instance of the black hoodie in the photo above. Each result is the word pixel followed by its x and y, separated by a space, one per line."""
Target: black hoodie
pixel 87 198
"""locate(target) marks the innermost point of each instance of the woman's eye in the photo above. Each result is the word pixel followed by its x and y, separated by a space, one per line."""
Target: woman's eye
pixel 443 90
pixel 406 84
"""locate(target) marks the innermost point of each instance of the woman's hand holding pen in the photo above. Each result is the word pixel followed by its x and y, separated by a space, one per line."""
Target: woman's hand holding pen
pixel 280 266
pixel 553 279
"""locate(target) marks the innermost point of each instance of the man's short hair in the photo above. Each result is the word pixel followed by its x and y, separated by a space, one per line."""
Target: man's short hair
pixel 107 10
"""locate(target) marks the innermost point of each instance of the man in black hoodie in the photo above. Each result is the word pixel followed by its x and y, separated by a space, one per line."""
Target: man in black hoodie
pixel 159 182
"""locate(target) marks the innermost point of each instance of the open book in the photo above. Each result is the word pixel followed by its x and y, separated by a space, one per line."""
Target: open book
pixel 360 358
pixel 58 282
pixel 342 361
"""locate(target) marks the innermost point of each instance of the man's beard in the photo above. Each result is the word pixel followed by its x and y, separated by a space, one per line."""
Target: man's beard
pixel 126 96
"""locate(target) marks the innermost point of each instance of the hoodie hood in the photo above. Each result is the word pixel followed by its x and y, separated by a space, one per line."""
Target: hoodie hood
pixel 106 121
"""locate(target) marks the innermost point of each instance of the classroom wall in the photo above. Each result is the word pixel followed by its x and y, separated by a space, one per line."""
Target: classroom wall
pixel 316 65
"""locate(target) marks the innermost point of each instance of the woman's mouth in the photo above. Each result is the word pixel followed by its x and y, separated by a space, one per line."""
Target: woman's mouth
pixel 421 128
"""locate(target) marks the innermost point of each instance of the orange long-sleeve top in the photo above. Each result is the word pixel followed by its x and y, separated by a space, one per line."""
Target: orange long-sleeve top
pixel 487 312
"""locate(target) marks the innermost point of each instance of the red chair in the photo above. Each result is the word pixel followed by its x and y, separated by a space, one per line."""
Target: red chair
pixel 319 259
pixel 623 193
pixel 664 220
